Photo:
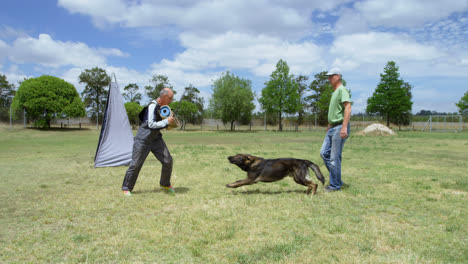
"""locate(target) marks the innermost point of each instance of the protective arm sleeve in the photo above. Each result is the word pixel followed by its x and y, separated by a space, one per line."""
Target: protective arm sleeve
pixel 155 124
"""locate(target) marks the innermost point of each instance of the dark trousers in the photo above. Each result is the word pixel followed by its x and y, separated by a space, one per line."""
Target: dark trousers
pixel 140 152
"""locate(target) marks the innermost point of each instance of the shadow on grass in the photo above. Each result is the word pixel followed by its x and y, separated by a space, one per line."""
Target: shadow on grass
pixel 345 186
pixel 159 190
pixel 58 129
pixel 257 191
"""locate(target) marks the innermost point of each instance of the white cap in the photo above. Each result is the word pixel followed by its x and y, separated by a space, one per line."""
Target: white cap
pixel 334 71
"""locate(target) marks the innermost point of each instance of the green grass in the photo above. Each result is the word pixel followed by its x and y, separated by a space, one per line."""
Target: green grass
pixel 405 201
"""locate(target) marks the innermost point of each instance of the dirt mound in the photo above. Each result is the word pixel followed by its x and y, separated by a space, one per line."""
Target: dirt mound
pixel 378 130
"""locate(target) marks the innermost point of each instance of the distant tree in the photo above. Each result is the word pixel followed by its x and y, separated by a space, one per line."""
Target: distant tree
pixel 158 83
pixel 319 100
pixel 133 109
pixel 463 103
pixel 232 99
pixel 271 119
pixel 95 94
pixel 7 92
pixel 301 81
pixel 392 97
pixel 46 97
pixel 185 111
pixel 192 95
pixel 424 112
pixel 131 93
pixel 280 94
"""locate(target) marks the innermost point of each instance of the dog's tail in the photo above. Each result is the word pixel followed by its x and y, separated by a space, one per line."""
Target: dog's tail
pixel 316 170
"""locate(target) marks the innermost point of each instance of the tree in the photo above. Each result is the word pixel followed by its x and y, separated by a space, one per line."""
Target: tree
pixel 185 111
pixel 7 92
pixel 281 93
pixel 463 103
pixel 301 81
pixel 232 99
pixel 131 93
pixel 319 100
pixel 46 97
pixel 133 109
pixel 320 97
pixel 159 82
pixel 192 95
pixel 392 97
pixel 95 94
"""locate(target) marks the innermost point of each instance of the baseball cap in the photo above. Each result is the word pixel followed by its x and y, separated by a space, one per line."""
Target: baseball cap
pixel 334 71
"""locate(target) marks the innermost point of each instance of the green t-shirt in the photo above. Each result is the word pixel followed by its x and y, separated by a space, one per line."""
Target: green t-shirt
pixel 336 108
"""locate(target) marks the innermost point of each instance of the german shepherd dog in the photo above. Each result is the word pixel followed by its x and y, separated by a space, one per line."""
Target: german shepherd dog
pixel 270 170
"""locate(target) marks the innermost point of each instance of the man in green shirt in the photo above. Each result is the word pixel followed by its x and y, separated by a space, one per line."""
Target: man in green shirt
pixel 339 114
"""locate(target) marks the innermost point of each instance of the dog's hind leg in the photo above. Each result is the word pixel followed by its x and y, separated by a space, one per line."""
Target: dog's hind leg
pixel 312 188
pixel 246 181
pixel 301 176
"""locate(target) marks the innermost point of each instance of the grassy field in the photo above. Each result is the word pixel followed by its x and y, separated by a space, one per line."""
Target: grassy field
pixel 405 201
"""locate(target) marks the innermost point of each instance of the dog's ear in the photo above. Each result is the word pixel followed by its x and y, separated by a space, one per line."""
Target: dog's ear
pixel 250 157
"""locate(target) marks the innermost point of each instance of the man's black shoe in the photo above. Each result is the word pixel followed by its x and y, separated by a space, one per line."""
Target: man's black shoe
pixel 330 189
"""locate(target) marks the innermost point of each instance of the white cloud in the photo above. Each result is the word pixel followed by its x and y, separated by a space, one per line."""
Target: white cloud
pixel 276 18
pixel 3 50
pixel 123 74
pixel 407 13
pixel 52 53
pixel 257 54
pixel 14 74
pixel 7 32
pixel 349 22
pixel 435 19
pixel 354 50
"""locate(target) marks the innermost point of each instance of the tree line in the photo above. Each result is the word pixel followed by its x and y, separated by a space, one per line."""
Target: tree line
pixel 232 101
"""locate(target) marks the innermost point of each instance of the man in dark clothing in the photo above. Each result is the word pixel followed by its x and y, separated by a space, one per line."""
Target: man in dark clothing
pixel 149 138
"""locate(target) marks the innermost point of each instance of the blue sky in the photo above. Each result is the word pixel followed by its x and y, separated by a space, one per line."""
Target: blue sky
pixel 193 42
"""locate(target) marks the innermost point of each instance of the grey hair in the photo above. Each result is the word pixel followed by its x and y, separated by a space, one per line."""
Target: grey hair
pixel 164 91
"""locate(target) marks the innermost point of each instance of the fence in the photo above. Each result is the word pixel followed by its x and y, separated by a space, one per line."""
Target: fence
pixel 444 123
pixel 357 123
pixel 18 119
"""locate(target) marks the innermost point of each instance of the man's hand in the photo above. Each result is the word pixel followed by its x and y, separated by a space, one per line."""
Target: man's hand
pixel 170 120
pixel 344 132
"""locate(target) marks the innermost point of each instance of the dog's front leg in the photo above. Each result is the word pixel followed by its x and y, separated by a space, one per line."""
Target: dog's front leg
pixel 239 183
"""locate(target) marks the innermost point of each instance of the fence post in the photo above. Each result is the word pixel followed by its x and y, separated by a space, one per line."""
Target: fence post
pixel 460 117
pixel 315 120
pixel 11 125
pixel 430 123
pixel 24 117
pixel 264 121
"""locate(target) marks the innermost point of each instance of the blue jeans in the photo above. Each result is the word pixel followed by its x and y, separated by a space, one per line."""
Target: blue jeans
pixel 331 154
